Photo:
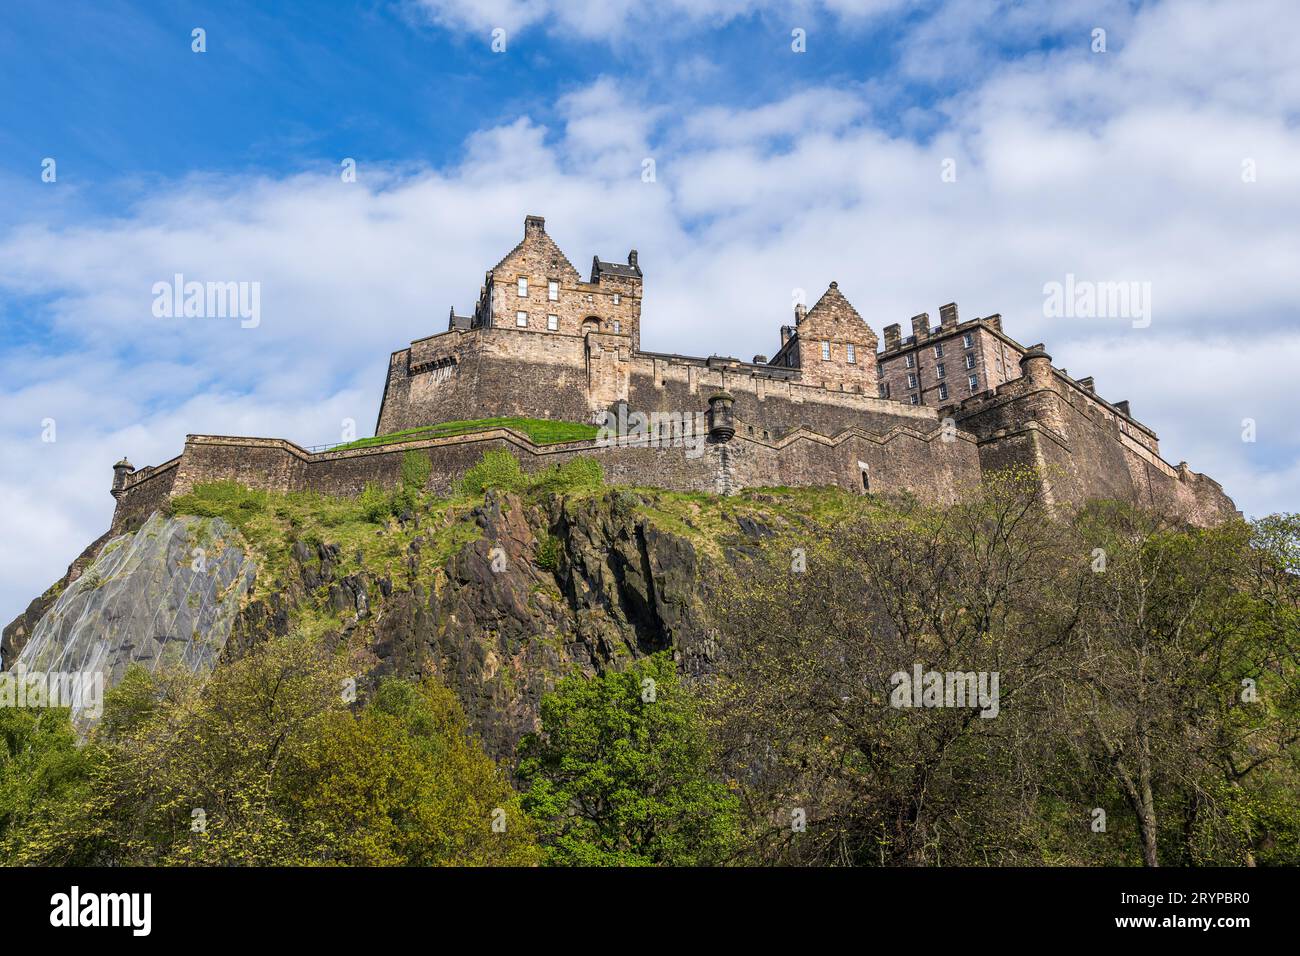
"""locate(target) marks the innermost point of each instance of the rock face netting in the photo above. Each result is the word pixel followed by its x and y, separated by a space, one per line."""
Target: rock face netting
pixel 167 594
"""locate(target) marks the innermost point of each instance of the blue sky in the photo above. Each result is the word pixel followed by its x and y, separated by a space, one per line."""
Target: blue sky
pixel 777 171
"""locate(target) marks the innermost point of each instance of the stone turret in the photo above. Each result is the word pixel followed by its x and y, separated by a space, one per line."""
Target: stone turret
pixel 1036 366
pixel 1044 403
pixel 120 471
pixel 722 423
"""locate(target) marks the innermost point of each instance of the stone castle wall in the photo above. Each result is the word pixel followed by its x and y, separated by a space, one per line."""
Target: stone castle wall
pixel 545 343
pixel 486 373
pixel 926 464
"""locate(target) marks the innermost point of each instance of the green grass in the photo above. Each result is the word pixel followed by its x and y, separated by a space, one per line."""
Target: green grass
pixel 270 522
pixel 370 541
pixel 541 430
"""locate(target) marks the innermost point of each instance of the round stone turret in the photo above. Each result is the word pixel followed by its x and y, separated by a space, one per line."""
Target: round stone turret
pixel 722 424
pixel 120 471
pixel 1036 365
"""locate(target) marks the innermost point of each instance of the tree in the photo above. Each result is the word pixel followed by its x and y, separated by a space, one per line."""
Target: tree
pixel 1188 684
pixel 830 772
pixel 267 762
pixel 39 761
pixel 618 775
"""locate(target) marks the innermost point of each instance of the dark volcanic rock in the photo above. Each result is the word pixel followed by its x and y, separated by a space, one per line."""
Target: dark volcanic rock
pixel 494 623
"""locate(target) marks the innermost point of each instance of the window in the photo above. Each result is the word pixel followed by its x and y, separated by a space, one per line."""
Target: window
pixel 553 291
pixel 974 382
pixel 911 380
pixel 915 399
pixel 617 298
pixel 938 350
pixel 521 319
pixel 618 327
pixel 943 391
pixel 826 351
pixel 970 361
pixel 553 323
pixel 911 360
pixel 884 389
pixel 851 357
pixel 523 288
pixel 967 341
pixel 940 371
pixel 866 479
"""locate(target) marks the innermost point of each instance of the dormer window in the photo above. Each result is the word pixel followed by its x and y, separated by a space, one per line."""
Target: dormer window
pixel 826 351
pixel 553 291
pixel 851 357
pixel 523 288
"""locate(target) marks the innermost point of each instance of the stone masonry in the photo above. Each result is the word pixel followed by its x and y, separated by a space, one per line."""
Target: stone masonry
pixel 927 414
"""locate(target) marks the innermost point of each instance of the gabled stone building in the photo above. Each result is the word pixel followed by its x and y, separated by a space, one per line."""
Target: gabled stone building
pixel 928 414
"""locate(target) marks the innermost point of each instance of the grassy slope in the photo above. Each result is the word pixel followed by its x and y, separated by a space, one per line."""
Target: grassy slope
pixel 540 430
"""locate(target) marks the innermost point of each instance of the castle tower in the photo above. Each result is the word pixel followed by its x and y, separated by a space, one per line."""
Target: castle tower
pixel 536 288
pixel 832 345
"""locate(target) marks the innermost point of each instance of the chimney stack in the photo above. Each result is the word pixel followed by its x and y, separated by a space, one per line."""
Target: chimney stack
pixel 948 316
pixel 921 326
pixel 893 337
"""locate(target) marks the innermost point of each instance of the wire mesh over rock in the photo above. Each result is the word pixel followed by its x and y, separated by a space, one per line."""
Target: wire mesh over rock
pixel 168 593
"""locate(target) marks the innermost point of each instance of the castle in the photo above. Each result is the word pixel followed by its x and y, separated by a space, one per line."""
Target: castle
pixel 927 414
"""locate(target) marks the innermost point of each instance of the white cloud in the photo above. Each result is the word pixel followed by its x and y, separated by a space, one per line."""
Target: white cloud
pixel 612 19
pixel 1126 166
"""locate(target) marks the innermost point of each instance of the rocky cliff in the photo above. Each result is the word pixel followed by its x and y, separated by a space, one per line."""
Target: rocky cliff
pixel 497 597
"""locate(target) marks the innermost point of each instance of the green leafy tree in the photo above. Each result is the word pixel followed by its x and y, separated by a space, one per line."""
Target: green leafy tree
pixel 268 763
pixel 618 775
pixel 39 761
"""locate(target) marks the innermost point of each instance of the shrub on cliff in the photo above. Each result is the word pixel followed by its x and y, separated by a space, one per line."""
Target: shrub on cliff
pixel 619 774
pixel 415 471
pixel 570 476
pixel 496 469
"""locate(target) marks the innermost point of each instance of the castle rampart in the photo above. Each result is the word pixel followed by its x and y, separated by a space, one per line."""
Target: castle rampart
pixel 828 409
